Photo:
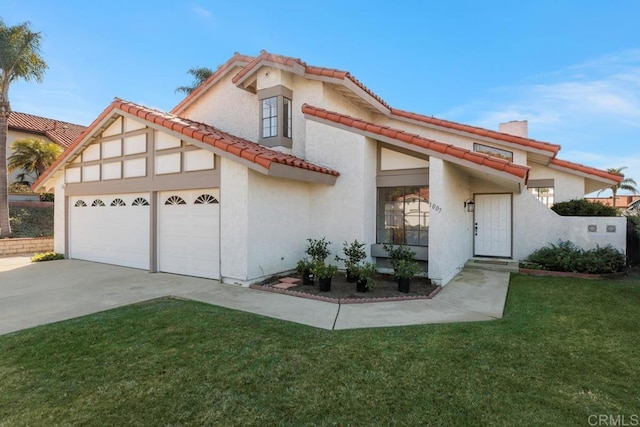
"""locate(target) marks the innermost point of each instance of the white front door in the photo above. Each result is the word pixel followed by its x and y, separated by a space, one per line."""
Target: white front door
pixel 492 225
pixel 189 233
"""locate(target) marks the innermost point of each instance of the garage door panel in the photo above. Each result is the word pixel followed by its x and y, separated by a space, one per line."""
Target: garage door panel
pixel 188 234
pixel 110 234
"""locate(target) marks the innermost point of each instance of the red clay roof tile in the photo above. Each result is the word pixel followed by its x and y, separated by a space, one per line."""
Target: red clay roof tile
pixel 199 131
pixel 62 133
pixel 516 170
pixel 587 170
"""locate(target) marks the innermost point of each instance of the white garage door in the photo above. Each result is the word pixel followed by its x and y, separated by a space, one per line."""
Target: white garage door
pixel 189 233
pixel 113 229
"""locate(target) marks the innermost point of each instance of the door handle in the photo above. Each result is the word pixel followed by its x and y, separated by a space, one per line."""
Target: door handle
pixel 475 229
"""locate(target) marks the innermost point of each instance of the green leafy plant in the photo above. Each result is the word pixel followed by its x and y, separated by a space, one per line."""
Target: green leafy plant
pixel 354 253
pixel 406 269
pixel 304 266
pixel 318 250
pixel 46 256
pixel 566 256
pixel 365 272
pixel 323 271
pixel 398 253
pixel 582 207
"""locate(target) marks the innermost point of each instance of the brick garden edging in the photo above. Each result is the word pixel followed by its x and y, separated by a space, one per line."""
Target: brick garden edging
pixel 25 245
pixel 363 300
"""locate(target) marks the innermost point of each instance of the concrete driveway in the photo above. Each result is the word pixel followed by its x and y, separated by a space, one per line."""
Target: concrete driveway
pixel 46 292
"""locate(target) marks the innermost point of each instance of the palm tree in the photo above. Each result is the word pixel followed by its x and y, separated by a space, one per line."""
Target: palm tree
pixel 19 59
pixel 200 75
pixel 32 155
pixel 627 184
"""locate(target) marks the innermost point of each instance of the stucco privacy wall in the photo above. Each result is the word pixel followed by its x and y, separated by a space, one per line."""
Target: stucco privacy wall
pixel 279 219
pixel 234 229
pixel 566 186
pixel 519 156
pixel 450 235
pixel 345 211
pixel 536 226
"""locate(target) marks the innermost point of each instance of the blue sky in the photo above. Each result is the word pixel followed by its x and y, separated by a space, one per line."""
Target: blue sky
pixel 571 68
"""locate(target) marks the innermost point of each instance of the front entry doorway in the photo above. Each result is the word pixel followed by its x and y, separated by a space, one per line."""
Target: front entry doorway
pixel 492 225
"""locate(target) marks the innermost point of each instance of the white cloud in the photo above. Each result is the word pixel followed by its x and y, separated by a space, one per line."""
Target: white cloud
pixel 592 109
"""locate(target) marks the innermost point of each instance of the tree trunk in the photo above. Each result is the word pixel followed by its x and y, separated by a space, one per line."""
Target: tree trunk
pixel 5 228
pixel 613 190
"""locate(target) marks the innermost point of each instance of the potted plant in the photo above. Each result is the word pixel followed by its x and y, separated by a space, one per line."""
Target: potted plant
pixel 354 253
pixel 365 273
pixel 324 273
pixel 404 270
pixel 304 269
pixel 398 253
pixel 318 250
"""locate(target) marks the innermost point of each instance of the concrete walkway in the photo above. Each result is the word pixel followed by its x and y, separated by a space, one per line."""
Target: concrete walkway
pixel 46 292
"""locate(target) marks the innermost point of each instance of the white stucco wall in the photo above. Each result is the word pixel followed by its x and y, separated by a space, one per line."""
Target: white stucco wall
pixel 59 211
pixel 234 223
pixel 536 226
pixel 345 211
pixel 227 108
pixel 450 234
pixel 565 186
pixel 278 221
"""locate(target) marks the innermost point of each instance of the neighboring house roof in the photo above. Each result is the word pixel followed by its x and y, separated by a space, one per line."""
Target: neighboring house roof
pixel 625 201
pixel 62 133
pixel 264 159
pixel 435 148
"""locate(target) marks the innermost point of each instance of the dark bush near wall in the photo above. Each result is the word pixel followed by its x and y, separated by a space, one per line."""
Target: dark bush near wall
pixel 566 256
pixel 582 207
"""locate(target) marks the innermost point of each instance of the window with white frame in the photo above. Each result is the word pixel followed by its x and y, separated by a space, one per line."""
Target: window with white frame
pixel 270 117
pixel 403 215
pixel 544 194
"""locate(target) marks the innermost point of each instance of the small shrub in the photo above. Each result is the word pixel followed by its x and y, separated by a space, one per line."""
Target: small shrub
pixel 323 271
pixel 398 253
pixel 46 256
pixel 318 250
pixel 566 256
pixel 47 197
pixel 582 207
pixel 19 187
pixel 354 253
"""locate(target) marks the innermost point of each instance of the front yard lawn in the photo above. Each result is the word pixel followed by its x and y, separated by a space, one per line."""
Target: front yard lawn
pixel 566 349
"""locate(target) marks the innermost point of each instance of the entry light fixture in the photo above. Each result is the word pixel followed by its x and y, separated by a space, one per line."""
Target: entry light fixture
pixel 469 204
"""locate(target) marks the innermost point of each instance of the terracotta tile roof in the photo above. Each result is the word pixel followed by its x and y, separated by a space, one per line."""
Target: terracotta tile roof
pixel 207 134
pixel 438 148
pixel 236 60
pixel 587 170
pixel 624 201
pixel 308 70
pixel 62 133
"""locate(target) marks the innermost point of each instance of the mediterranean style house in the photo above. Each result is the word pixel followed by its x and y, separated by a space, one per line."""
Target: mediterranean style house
pixel 23 125
pixel 270 151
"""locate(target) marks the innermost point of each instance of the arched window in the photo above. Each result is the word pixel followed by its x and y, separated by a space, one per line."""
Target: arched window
pixel 205 199
pixel 80 204
pixel 175 200
pixel 140 201
pixel 118 202
pixel 97 202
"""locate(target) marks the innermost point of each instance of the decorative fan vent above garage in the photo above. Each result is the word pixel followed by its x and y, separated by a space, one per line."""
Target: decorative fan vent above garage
pixel 118 202
pixel 80 204
pixel 205 199
pixel 97 202
pixel 140 201
pixel 175 200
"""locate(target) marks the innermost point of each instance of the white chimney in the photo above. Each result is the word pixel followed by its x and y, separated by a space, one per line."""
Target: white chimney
pixel 515 127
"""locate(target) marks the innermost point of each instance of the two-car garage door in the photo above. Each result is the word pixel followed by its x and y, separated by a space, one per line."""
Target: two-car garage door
pixel 115 229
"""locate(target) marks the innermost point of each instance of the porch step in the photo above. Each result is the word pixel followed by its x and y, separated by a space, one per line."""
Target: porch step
pixel 494 264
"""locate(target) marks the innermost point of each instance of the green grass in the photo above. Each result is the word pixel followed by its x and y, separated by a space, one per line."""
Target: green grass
pixel 566 349
pixel 31 222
